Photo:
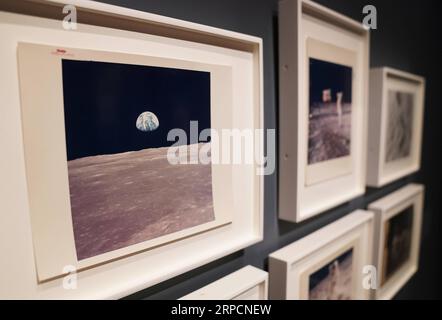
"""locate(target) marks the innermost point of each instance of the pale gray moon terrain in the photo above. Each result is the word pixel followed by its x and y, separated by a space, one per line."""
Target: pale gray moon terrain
pixel 123 199
pixel 329 139
pixel 336 286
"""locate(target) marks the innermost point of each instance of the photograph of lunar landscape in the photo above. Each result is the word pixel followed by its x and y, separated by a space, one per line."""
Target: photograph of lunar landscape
pixel 334 280
pixel 397 244
pixel 330 105
pixel 400 125
pixel 123 190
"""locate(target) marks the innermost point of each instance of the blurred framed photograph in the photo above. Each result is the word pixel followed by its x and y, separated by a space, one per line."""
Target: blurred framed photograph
pixel 323 107
pixel 248 283
pixel 327 264
pixel 395 125
pixel 398 220
pixel 120 192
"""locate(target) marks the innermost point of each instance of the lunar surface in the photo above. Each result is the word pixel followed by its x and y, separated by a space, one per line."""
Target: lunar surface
pixel 123 199
pixel 329 136
pixel 337 285
pixel 147 121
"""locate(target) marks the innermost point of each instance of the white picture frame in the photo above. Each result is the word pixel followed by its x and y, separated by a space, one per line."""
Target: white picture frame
pixel 310 31
pixel 291 268
pixel 108 28
pixel 384 167
pixel 391 206
pixel 248 283
pixel 54 243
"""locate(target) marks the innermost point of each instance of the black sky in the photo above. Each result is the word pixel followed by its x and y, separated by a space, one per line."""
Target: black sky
pixel 102 102
pixel 327 75
pixel 399 226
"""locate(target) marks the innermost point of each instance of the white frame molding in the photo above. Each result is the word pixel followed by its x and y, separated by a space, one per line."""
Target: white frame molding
pixel 248 283
pixel 385 209
pixel 380 173
pixel 111 28
pixel 289 266
pixel 301 21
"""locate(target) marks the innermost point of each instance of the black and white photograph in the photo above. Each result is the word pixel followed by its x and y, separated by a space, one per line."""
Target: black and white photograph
pixel 334 280
pixel 397 244
pixel 399 125
pixel 330 110
pixel 123 190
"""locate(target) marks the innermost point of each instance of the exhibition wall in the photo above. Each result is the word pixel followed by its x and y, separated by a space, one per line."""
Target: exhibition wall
pixel 407 39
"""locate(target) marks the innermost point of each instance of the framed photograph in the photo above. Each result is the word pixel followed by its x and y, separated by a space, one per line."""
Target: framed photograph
pixel 248 283
pixel 323 107
pixel 115 121
pixel 395 125
pixel 327 264
pixel 398 220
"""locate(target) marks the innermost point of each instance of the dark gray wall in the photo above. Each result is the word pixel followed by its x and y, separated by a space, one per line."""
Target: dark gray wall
pixel 407 38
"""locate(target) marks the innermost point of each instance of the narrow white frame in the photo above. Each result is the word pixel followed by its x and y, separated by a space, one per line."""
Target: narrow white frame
pixel 290 266
pixel 248 283
pixel 304 193
pixel 111 28
pixel 385 209
pixel 380 172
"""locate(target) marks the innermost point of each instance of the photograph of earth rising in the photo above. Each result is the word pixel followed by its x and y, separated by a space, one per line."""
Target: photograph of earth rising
pixel 123 190
pixel 400 125
pixel 334 280
pixel 330 105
